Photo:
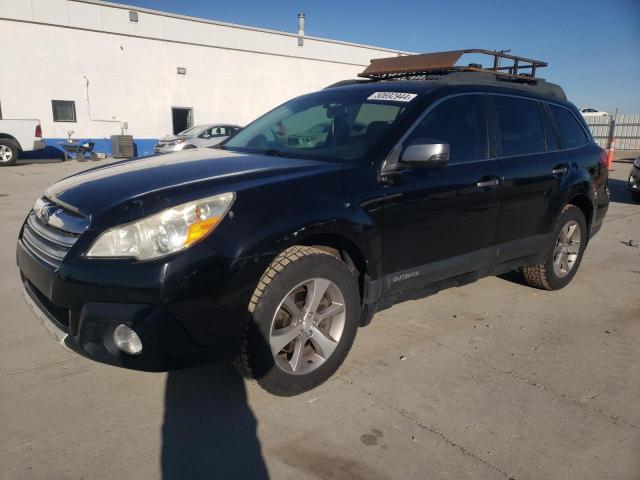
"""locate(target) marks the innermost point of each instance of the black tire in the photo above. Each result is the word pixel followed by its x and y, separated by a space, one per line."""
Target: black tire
pixel 188 147
pixel 635 196
pixel 543 276
pixel 292 267
pixel 12 150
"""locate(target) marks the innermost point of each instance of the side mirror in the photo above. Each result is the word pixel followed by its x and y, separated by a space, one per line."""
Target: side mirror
pixel 426 154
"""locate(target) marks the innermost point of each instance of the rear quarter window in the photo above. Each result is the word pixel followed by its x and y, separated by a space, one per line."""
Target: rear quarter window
pixel 571 132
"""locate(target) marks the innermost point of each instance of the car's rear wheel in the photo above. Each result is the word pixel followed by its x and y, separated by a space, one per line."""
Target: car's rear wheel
pixel 304 318
pixel 635 196
pixel 563 255
pixel 8 153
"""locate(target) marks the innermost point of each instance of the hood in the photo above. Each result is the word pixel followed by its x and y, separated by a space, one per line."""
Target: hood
pixel 167 178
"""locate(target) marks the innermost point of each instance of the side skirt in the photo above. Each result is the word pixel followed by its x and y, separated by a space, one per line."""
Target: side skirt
pixel 377 298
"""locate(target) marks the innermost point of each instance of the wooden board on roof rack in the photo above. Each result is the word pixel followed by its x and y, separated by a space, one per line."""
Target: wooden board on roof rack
pixel 442 62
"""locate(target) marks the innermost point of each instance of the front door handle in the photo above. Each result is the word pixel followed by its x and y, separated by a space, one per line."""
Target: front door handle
pixel 560 171
pixel 488 183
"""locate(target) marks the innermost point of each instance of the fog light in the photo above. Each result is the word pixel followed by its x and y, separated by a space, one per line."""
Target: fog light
pixel 127 340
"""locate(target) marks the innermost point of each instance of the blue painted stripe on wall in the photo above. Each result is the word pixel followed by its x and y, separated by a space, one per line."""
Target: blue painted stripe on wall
pixel 142 146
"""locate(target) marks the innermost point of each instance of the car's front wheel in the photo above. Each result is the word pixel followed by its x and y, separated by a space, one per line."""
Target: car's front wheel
pixel 563 255
pixel 303 320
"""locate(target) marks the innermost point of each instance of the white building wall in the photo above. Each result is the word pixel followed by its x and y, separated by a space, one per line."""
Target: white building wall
pixel 119 71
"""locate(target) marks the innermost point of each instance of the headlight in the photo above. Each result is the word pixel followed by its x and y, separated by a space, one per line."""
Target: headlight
pixel 176 142
pixel 39 205
pixel 165 232
pixel 637 163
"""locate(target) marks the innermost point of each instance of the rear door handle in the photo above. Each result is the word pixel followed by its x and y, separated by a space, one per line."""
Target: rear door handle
pixel 559 171
pixel 489 183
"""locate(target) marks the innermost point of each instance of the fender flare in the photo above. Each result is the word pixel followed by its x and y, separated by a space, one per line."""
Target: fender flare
pixel 334 224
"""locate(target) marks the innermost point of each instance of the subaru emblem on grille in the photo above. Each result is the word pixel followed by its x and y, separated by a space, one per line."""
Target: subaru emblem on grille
pixel 45 213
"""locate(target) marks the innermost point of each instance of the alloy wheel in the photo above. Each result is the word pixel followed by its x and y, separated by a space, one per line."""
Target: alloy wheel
pixel 567 249
pixel 307 326
pixel 6 154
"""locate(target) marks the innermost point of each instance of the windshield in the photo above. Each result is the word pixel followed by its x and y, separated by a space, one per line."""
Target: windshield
pixel 194 130
pixel 331 125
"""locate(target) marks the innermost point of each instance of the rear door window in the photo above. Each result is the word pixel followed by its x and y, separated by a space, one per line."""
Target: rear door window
pixel 571 132
pixel 459 121
pixel 520 125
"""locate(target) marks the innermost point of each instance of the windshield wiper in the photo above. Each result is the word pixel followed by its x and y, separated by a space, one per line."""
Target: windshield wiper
pixel 273 152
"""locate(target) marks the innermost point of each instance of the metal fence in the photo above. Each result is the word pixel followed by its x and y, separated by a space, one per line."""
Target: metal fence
pixel 622 130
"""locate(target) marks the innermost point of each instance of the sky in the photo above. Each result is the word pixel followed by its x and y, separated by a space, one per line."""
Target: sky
pixel 592 47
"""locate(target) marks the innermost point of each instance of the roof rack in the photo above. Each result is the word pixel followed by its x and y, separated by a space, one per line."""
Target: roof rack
pixel 445 62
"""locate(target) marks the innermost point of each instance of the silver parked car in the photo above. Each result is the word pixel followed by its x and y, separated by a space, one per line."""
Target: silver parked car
pixel 194 137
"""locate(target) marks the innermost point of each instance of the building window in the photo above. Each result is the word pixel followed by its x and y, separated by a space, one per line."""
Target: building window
pixel 133 16
pixel 64 110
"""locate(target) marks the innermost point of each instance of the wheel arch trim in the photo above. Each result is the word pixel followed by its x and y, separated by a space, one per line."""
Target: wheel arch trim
pixel 10 139
pixel 586 203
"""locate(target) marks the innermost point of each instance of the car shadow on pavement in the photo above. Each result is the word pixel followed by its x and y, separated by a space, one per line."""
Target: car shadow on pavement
pixel 38 161
pixel 618 191
pixel 514 276
pixel 209 430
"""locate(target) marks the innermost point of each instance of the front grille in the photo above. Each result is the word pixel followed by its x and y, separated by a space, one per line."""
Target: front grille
pixel 51 230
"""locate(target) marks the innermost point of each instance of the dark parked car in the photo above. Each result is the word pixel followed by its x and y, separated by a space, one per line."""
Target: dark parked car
pixel 273 252
pixel 633 184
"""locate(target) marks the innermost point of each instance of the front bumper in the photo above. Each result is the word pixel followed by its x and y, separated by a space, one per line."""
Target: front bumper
pixel 44 317
pixel 166 345
pixel 95 339
pixel 168 149
pixel 187 311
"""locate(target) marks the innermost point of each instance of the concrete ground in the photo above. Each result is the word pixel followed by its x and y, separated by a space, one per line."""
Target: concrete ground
pixel 625 156
pixel 494 380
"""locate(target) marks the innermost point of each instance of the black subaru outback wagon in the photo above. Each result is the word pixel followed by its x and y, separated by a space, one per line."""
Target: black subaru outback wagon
pixel 273 248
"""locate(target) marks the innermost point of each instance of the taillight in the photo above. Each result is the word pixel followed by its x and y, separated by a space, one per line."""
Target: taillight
pixel 38 131
pixel 604 158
